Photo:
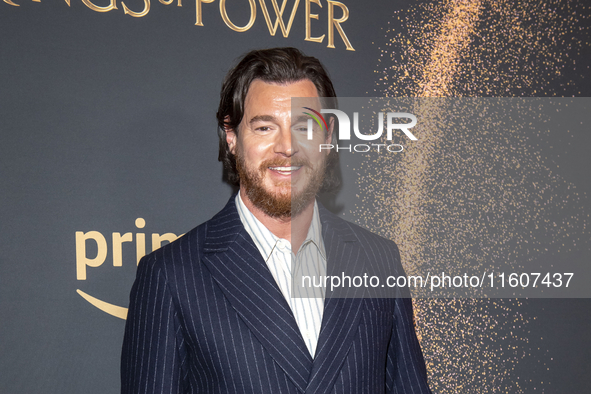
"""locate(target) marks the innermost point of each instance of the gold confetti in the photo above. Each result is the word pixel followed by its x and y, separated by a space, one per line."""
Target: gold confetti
pixel 454 200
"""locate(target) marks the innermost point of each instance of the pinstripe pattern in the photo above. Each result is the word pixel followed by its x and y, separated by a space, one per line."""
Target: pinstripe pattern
pixel 306 306
pixel 206 316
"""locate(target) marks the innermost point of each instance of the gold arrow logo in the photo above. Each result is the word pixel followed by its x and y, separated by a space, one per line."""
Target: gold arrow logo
pixel 111 309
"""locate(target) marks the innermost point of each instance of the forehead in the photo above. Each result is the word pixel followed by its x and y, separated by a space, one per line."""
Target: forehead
pixel 263 95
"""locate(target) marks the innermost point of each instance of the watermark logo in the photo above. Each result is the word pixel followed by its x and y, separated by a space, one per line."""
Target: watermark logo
pixel 314 116
pixel 395 122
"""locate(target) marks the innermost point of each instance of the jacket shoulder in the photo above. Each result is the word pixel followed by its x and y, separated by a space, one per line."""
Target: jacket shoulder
pixel 361 234
pixel 178 253
pixel 187 250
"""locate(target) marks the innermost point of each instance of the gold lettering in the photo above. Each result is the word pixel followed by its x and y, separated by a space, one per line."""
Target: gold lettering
pixel 118 240
pixel 16 5
pixel 337 23
pixel 140 246
pixel 166 2
pixel 279 21
pixel 157 239
pixel 140 240
pixel 112 6
pixel 82 261
pixel 253 16
pixel 137 14
pixel 309 17
pixel 198 7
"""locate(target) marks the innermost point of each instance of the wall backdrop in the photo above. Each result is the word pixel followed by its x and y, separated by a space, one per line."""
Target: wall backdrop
pixel 108 149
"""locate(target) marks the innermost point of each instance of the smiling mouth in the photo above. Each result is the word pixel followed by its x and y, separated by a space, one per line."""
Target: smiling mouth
pixel 285 170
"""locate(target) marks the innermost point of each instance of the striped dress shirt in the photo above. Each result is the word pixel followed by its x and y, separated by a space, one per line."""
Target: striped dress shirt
pixel 307 304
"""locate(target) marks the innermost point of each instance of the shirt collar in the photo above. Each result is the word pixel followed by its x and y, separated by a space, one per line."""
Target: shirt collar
pixel 265 240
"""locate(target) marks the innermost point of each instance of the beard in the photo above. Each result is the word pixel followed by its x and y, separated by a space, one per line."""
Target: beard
pixel 281 202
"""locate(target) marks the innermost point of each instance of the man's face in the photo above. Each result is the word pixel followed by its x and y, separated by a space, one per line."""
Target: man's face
pixel 280 169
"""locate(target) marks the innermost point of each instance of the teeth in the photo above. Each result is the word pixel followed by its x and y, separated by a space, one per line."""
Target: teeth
pixel 285 169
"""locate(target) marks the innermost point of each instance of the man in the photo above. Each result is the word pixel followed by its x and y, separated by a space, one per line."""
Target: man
pixel 217 310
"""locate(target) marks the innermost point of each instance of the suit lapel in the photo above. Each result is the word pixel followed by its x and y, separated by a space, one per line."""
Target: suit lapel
pixel 237 266
pixel 341 315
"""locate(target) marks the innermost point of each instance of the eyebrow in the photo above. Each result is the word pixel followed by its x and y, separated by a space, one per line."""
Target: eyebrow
pixel 302 118
pixel 271 118
pixel 262 118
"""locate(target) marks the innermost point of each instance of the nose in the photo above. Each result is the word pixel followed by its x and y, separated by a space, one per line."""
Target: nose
pixel 285 145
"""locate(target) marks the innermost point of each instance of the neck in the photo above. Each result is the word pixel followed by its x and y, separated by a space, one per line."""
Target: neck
pixel 293 229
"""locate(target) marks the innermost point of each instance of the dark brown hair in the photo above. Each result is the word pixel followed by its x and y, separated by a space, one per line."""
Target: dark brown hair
pixel 276 65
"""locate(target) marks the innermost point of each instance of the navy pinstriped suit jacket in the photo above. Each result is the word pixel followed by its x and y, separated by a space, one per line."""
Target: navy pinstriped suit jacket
pixel 206 316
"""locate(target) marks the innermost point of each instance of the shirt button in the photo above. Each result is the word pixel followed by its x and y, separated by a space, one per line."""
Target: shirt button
pixel 282 245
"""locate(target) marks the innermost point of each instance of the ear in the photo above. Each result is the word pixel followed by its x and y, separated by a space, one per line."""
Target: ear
pixel 230 136
pixel 330 130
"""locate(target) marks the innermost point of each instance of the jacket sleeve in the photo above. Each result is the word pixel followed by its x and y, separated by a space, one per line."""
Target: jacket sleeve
pixel 152 359
pixel 406 371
